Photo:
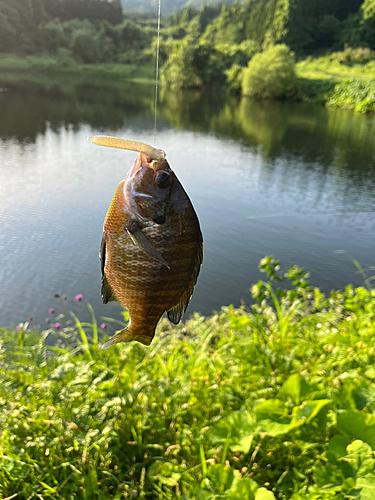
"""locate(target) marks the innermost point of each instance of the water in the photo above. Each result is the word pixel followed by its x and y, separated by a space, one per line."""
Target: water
pixel 265 178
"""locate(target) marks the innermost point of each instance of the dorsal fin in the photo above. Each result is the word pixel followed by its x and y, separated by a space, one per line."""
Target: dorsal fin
pixel 175 313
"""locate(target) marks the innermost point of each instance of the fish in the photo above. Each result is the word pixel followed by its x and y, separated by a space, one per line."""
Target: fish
pixel 152 246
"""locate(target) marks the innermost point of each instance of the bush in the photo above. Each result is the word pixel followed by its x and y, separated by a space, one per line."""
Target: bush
pixel 85 45
pixel 354 94
pixel 270 74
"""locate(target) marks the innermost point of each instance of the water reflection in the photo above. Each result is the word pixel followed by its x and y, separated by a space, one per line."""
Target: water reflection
pixel 26 112
pixel 265 177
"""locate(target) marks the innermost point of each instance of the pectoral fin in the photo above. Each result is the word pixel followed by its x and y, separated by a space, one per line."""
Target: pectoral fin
pixel 140 239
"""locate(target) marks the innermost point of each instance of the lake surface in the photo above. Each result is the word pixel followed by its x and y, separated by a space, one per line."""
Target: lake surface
pixel 292 180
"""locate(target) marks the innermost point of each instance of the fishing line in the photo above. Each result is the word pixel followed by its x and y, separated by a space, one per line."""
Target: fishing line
pixel 157 71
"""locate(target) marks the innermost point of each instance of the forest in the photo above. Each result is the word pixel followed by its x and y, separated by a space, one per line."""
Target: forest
pixel 306 27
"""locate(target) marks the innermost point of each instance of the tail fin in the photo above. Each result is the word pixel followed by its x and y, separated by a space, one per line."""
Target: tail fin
pixel 126 335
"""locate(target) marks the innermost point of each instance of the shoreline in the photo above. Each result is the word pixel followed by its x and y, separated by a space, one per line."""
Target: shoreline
pixel 317 81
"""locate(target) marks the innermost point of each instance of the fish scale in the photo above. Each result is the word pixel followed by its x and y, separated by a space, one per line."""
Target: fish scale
pixel 150 267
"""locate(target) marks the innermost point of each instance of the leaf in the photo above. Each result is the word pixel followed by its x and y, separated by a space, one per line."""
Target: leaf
pixel 328 476
pixel 170 480
pixel 307 411
pixel 272 417
pixel 238 322
pixel 357 424
pixel 264 494
pixel 296 387
pixel 47 487
pixel 367 485
pixel 164 472
pixel 273 428
pixel 94 326
pixel 358 447
pixel 85 344
pixel 348 488
pixel 185 496
pixel 238 427
pixel 360 457
pixel 244 489
pixel 272 409
pixel 7 465
pixel 337 446
pixel 220 476
pixel 243 445
pixel 356 394
pixel 203 495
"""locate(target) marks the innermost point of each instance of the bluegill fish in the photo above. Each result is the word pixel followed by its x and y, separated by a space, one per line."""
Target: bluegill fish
pixel 152 246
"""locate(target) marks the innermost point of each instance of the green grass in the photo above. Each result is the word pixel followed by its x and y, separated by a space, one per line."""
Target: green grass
pixel 272 401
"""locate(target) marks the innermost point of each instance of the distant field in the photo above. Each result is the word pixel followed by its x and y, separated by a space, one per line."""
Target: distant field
pixel 43 68
pixel 327 67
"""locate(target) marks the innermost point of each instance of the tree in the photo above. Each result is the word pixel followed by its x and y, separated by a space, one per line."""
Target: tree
pixel 52 36
pixel 359 28
pixel 228 27
pixel 192 65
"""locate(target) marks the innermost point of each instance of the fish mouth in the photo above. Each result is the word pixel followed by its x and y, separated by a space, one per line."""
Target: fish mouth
pixel 114 142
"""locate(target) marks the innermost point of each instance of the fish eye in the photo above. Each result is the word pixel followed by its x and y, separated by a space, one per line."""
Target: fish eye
pixel 162 179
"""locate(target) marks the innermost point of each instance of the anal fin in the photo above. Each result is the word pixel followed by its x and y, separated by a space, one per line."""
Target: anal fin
pixel 126 335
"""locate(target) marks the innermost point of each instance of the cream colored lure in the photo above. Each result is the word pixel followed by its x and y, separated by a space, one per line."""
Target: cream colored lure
pixel 152 246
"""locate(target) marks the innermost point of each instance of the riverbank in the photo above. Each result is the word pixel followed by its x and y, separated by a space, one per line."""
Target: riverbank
pixel 276 401
pixel 342 80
